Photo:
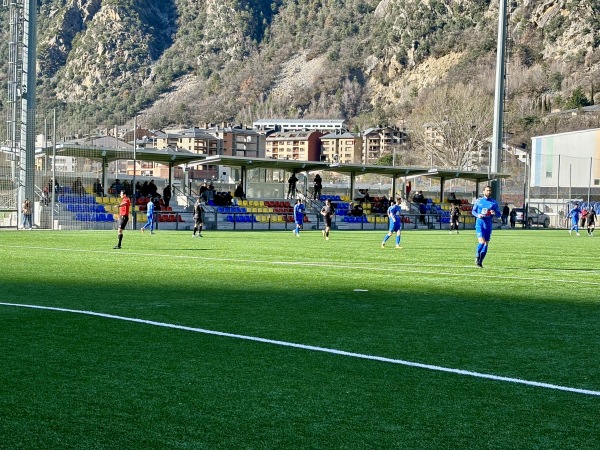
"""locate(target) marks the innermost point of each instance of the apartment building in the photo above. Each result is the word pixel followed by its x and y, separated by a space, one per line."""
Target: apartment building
pixel 378 142
pixel 294 145
pixel 343 148
pixel 238 141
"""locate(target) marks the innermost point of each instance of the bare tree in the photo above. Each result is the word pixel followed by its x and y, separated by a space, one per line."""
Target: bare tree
pixel 450 125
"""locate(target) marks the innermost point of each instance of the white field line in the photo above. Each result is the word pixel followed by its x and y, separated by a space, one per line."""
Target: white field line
pixel 389 267
pixel 318 349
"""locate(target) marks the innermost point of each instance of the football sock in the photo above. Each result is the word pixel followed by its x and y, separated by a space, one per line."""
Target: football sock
pixel 483 252
pixel 387 236
pixel 200 230
pixel 397 240
pixel 479 249
pixel 195 229
pixel 120 239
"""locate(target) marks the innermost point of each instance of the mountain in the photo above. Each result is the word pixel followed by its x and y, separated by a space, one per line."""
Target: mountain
pixel 187 62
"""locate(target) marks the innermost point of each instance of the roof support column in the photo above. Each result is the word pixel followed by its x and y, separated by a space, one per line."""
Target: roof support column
pixel 442 181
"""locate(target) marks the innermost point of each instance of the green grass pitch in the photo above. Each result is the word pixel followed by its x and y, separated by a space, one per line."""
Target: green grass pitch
pixel 149 374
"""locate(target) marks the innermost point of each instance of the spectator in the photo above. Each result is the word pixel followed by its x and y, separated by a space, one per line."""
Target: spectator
pixel 408 188
pixel 77 186
pixel 138 189
pixel 52 186
pixel 167 194
pixel 292 186
pixel 513 218
pixel 239 192
pixel 367 198
pixel 98 189
pixel 127 188
pixel 317 187
pixel 152 189
pixel 145 190
pixel 505 214
pixel 45 196
pixel 26 212
pixel 419 197
pixel 116 188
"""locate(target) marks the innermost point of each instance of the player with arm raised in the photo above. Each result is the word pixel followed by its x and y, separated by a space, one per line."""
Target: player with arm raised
pixel 484 209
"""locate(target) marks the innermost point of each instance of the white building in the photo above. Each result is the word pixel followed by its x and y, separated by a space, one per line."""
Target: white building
pixel 566 159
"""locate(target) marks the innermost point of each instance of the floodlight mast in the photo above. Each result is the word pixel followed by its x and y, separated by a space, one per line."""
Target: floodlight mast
pixel 28 104
pixel 497 137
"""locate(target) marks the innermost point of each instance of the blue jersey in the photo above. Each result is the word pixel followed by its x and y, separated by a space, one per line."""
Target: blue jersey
pixel 574 214
pixel 150 210
pixel 394 213
pixel 299 212
pixel 488 208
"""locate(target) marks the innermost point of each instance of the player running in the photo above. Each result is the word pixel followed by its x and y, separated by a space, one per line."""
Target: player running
pixel 574 216
pixel 484 209
pixel 394 213
pixel 327 211
pixel 298 217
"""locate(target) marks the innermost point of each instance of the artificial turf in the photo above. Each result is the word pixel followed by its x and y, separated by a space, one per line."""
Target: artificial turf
pixel 74 380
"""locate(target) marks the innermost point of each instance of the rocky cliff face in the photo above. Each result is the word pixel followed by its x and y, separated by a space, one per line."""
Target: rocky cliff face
pixel 328 57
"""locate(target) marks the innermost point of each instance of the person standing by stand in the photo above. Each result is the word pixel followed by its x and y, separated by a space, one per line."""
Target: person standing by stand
pixel 292 185
pixel 484 209
pixel 505 214
pixel 327 212
pixel 317 187
pixel 167 193
pixel 26 214
pixel 124 207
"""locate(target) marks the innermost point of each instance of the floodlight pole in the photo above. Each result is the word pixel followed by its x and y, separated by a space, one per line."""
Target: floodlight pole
pixel 496 150
pixel 134 170
pixel 28 98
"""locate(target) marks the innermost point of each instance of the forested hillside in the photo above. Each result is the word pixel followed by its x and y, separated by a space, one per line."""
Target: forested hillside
pixel 186 62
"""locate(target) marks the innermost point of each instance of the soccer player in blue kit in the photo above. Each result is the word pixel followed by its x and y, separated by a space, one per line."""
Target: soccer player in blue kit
pixel 574 215
pixel 394 213
pixel 484 209
pixel 150 214
pixel 298 216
